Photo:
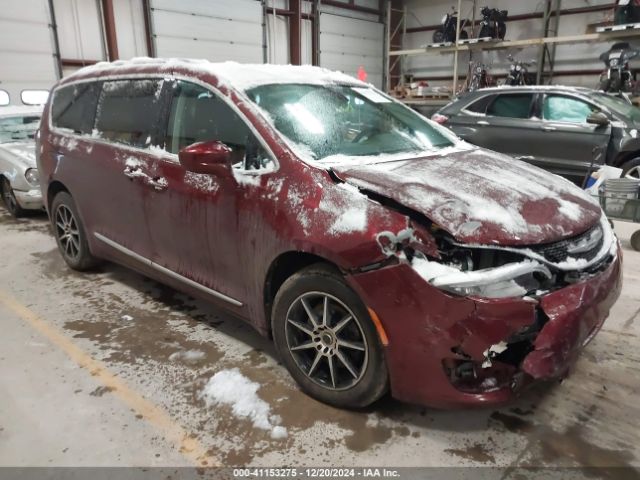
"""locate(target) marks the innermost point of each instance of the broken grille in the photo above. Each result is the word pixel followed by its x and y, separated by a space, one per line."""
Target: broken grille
pixel 584 246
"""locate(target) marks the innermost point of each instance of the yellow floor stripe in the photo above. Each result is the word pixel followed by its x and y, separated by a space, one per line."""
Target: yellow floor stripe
pixel 154 415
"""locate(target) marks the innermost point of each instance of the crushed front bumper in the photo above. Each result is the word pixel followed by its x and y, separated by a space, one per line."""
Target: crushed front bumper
pixel 442 348
pixel 29 200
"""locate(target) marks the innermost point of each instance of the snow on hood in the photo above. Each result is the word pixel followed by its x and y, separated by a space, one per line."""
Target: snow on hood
pixel 237 75
pixel 25 152
pixel 481 197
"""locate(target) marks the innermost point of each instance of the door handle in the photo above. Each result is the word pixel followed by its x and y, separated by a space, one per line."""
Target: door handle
pixel 548 129
pixel 158 183
pixel 484 123
pixel 132 172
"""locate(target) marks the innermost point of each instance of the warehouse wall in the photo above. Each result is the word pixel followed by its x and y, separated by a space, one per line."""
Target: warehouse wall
pixel 568 57
pixel 216 30
pixel 26 48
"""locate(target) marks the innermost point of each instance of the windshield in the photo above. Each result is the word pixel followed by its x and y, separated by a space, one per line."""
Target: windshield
pixel 15 129
pixel 620 106
pixel 329 120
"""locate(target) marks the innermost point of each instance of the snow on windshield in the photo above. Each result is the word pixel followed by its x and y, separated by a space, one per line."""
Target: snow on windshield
pixel 331 121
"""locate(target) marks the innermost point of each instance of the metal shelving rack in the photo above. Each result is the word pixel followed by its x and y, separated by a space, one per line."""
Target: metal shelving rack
pixel 547 43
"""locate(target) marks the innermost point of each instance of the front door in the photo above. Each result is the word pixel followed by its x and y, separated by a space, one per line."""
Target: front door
pixel 193 218
pixel 568 144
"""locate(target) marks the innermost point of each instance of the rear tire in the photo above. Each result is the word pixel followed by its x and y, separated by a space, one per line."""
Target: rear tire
pixel 70 233
pixel 326 339
pixel 485 31
pixel 9 199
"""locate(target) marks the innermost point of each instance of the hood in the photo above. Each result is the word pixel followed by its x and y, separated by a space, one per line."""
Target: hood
pixel 24 152
pixel 481 197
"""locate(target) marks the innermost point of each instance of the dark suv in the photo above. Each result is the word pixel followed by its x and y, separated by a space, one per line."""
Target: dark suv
pixel 560 129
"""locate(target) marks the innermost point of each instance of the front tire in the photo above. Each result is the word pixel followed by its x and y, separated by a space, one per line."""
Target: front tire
pixel 326 339
pixel 70 234
pixel 438 36
pixel 9 199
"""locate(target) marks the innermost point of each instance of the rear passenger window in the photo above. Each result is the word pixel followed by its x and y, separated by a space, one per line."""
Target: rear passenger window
pixel 511 106
pixel 198 115
pixel 480 106
pixel 130 111
pixel 74 107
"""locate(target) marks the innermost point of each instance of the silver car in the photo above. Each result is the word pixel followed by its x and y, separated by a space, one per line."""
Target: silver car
pixel 19 179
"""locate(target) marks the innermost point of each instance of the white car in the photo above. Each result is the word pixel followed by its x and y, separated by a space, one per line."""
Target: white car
pixel 19 179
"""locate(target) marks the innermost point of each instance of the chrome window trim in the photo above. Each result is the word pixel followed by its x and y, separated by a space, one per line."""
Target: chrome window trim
pixel 167 156
pixel 166 271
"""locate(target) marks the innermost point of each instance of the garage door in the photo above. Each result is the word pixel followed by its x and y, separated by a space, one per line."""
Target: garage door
pixel 216 30
pixel 26 50
pixel 348 43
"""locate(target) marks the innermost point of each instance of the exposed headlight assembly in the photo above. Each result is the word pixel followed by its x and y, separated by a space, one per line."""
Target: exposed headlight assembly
pixel 32 176
pixel 512 280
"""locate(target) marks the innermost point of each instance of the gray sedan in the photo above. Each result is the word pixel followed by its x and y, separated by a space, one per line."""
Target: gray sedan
pixel 564 130
pixel 19 179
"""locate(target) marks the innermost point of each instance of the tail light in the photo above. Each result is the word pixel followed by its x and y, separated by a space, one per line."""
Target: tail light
pixel 438 118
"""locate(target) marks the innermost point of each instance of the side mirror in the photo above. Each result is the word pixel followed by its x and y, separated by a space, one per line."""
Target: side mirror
pixel 599 119
pixel 212 157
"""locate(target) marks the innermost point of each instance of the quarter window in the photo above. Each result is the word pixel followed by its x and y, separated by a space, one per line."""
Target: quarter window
pixel 74 107
pixel 198 115
pixel 558 108
pixel 511 106
pixel 129 111
pixel 480 106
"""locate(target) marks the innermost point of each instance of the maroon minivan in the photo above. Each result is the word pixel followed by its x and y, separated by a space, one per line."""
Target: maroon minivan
pixel 378 250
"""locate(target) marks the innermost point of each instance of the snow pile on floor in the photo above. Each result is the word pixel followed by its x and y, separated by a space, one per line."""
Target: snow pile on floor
pixel 188 356
pixel 230 387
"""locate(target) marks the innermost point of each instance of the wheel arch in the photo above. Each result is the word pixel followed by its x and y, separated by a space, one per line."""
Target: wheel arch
pixel 53 189
pixel 283 267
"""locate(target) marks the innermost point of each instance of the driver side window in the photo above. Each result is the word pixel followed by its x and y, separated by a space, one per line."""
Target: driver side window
pixel 558 108
pixel 198 115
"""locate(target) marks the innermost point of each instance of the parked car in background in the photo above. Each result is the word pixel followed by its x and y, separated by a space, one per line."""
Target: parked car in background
pixel 560 129
pixel 377 249
pixel 19 179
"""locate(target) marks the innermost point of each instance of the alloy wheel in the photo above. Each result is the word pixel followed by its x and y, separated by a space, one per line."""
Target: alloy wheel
pixel 326 341
pixel 634 173
pixel 67 232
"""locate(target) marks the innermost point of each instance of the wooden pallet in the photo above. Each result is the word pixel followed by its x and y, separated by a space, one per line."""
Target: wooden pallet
pixel 618 28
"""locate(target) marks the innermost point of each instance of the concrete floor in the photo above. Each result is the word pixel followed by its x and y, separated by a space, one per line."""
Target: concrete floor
pixel 81 385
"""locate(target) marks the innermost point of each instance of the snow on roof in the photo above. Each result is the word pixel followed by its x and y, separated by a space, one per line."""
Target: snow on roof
pixel 537 87
pixel 14 110
pixel 237 75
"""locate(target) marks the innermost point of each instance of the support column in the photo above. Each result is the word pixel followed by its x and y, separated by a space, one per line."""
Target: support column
pixel 110 29
pixel 295 27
